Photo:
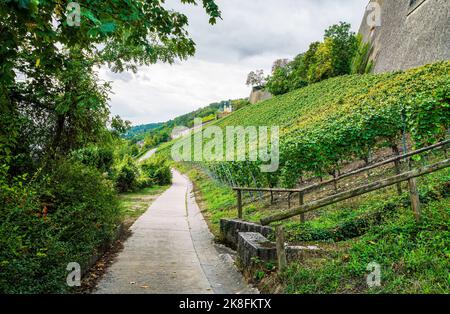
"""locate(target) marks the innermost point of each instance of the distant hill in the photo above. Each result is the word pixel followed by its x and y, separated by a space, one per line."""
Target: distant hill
pixel 138 132
pixel 161 131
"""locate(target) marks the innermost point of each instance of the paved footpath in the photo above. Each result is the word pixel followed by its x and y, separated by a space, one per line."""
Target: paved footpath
pixel 172 251
pixel 147 155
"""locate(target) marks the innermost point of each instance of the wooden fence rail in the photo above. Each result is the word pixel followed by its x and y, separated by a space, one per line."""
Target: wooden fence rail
pixel 358 191
pixel 303 191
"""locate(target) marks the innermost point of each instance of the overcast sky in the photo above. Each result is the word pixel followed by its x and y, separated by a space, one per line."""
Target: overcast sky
pixel 252 34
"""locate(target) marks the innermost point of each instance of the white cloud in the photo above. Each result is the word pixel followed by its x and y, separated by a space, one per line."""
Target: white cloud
pixel 252 34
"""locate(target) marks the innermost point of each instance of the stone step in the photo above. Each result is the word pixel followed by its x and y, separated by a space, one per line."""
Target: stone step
pixel 254 246
pixel 229 229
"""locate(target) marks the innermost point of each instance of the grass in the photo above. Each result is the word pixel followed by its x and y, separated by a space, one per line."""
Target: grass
pixel 134 204
pixel 376 227
pixel 414 258
pixel 216 200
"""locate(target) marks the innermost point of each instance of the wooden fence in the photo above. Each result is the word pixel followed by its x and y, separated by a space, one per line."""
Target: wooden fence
pixel 400 177
pixel 406 176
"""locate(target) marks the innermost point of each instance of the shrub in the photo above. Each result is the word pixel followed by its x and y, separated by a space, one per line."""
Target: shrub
pixel 158 170
pixel 122 148
pixel 127 175
pixel 101 158
pixel 63 217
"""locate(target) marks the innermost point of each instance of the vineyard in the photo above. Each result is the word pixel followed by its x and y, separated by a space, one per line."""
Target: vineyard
pixel 327 125
pixel 327 129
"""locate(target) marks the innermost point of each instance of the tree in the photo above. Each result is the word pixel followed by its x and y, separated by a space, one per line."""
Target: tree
pixel 256 78
pixel 332 57
pixel 343 47
pixel 53 104
pixel 308 59
pixel 280 63
pixel 119 126
pixel 59 104
pixel 298 77
pixel 322 68
pixel 278 83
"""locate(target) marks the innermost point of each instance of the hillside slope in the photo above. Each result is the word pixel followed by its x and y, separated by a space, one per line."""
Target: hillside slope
pixel 325 125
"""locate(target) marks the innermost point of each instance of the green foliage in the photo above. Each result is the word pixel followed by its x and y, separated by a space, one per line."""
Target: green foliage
pixel 323 60
pixel 53 208
pixel 412 255
pixel 101 158
pixel 343 47
pixel 161 133
pixel 341 119
pixel 62 99
pixel 63 217
pixel 157 169
pixel 209 118
pixel 322 68
pixel 428 117
pixel 360 63
pixel 379 227
pixel 123 148
pixel 137 133
pixel 278 83
pixel 298 77
pixel 413 258
pixel 239 103
pixel 119 126
pixel 155 137
pixel 127 175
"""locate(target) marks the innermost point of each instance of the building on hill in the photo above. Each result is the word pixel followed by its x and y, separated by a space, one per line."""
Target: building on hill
pixel 406 33
pixel 227 109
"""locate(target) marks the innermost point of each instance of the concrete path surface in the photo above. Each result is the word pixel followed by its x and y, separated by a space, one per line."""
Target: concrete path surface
pixel 147 155
pixel 172 251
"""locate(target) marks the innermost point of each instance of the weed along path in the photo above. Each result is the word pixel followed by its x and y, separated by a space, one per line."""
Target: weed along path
pixel 172 251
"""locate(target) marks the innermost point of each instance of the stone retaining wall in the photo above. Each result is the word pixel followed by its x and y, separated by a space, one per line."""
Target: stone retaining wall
pixel 411 34
pixel 229 229
pixel 253 246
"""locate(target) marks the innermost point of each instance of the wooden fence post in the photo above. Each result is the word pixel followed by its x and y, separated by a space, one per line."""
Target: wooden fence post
pixel 289 199
pixel 301 202
pixel 397 167
pixel 355 192
pixel 281 253
pixel 239 203
pixel 335 181
pixel 414 197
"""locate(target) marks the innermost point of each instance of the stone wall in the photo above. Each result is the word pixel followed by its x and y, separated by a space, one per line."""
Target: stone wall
pixel 230 228
pixel 253 246
pixel 409 35
pixel 258 95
